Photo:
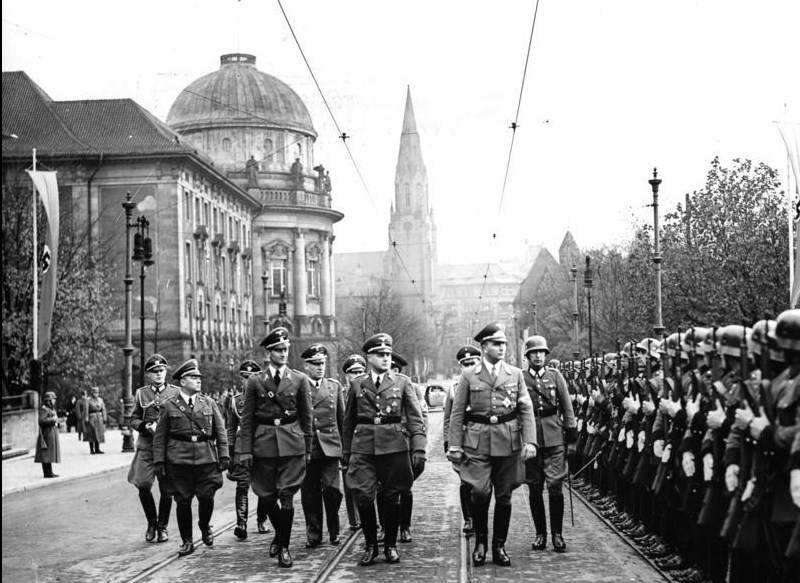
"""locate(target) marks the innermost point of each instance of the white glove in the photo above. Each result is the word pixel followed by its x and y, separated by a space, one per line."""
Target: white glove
pixel 732 477
pixel 794 486
pixel 708 467
pixel 635 405
pixel 687 461
pixel 648 407
pixel 629 439
pixel 673 407
pixel 152 426
pixel 627 403
pixel 692 407
pixel 663 406
pixel 667 453
pixel 581 399
pixel 759 423
pixel 658 447
pixel 528 451
pixel 591 400
pixel 743 416
pixel 590 428
pixel 716 418
pixel 580 425
pixel 640 441
pixel 621 435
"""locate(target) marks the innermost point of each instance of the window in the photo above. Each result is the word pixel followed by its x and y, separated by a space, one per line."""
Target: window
pixel 226 144
pixel 216 230
pixel 223 277
pixel 269 155
pixel 197 211
pixel 278 276
pixel 312 270
pixel 205 213
pixel 187 261
pixel 187 205
pixel 233 278
pixel 201 261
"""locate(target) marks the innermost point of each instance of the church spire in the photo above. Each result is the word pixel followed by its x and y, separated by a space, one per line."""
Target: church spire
pixel 409 121
pixel 411 177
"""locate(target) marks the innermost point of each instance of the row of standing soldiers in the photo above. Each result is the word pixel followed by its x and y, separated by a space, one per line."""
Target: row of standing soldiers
pixel 691 446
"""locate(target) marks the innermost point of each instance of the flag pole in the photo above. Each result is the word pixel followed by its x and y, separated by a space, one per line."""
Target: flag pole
pixel 35 279
pixel 790 217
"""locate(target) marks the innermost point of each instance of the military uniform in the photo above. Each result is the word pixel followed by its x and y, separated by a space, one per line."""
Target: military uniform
pixel 354 365
pixel 491 419
pixel 191 445
pixel 48 447
pixel 147 403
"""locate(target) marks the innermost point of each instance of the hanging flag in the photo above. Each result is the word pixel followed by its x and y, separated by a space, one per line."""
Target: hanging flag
pixel 47 187
pixel 788 133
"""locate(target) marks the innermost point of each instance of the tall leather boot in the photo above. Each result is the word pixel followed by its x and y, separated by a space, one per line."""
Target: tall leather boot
pixel 406 508
pixel 536 502
pixel 164 509
pixel 286 519
pixel 91 447
pixel 205 508
pixel 557 520
pixel 240 531
pixel 149 507
pixel 369 526
pixel 466 508
pixel 261 516
pixel 380 501
pixel 184 516
pixel 332 500
pixel 480 519
pixel 391 517
pixel 273 512
pixel 502 518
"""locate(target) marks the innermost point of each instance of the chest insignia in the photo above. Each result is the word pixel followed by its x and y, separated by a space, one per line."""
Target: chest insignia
pixel 507 402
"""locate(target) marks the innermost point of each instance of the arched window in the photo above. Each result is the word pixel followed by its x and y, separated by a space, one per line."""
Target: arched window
pixel 269 154
pixel 226 144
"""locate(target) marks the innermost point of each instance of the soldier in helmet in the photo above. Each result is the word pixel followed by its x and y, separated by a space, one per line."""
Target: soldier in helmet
pixel 554 417
pixel 276 437
pixel 238 472
pixel 491 425
pixel 354 366
pixel 190 447
pixel 146 406
pixel 375 449
pixel 321 487
pixel 467 357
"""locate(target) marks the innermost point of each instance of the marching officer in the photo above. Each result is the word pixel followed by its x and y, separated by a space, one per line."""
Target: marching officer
pixel 146 406
pixel 491 427
pixel 353 366
pixel 375 445
pixel 467 357
pixel 553 412
pixel 321 485
pixel 190 448
pixel 238 472
pixel 276 437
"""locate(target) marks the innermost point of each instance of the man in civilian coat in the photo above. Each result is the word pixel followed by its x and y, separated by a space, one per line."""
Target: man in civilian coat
pixel 491 427
pixel 276 437
pixel 321 487
pixel 190 447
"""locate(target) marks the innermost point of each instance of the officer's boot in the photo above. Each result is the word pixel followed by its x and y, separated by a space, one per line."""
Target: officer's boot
pixel 352 509
pixel 380 501
pixel 406 507
pixel 311 500
pixel 164 509
pixel 261 516
pixel 184 516
pixel 392 518
pixel 480 519
pixel 273 512
pixel 205 508
pixel 240 531
pixel 369 526
pixel 536 502
pixel 91 447
pixel 286 520
pixel 466 508
pixel 332 500
pixel 557 521
pixel 149 507
pixel 502 518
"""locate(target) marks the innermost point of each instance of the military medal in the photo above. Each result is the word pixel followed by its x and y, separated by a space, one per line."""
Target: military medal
pixel 507 402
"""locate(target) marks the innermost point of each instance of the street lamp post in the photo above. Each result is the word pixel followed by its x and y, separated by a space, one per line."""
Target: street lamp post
pixel 127 350
pixel 576 351
pixel 654 184
pixel 143 253
pixel 588 283
pixel 265 284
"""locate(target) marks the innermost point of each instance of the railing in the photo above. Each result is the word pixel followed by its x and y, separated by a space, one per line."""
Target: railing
pixel 21 402
pixel 295 198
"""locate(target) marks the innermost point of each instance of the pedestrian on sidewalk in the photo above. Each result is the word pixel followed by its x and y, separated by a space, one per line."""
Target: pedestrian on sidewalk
pixel 48 449
pixel 190 449
pixel 80 414
pixel 94 421
pixel 147 404
pixel 72 419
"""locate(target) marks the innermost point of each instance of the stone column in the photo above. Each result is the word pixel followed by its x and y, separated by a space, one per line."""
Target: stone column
pixel 325 277
pixel 299 273
pixel 332 278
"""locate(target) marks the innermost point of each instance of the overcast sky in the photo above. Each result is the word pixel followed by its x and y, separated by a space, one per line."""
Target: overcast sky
pixel 613 88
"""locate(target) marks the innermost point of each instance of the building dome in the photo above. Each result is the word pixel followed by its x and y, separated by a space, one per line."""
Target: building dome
pixel 239 95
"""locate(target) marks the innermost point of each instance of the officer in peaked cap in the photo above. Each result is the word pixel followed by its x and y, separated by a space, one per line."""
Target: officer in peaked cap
pixel 398 362
pixel 238 472
pixel 276 437
pixel 354 365
pixel 374 447
pixel 147 403
pixel 190 447
pixel 491 421
pixel 554 416
pixel 321 487
pixel 467 357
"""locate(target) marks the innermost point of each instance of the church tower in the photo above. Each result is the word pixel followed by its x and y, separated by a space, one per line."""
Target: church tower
pixel 412 231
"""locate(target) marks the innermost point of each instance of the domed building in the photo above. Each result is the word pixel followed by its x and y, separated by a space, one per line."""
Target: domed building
pixel 258 132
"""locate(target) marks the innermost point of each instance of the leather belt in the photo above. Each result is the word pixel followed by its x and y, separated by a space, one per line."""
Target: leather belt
pixel 277 421
pixel 491 419
pixel 546 412
pixel 378 420
pixel 193 438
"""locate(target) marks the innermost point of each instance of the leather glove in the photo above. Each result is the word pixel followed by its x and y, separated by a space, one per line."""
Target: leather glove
pixel 160 469
pixel 708 467
pixel 687 462
pixel 224 464
pixel 716 418
pixel 445 448
pixel 758 424
pixel 572 435
pixel 455 455
pixel 794 486
pixel 418 461
pixel 528 451
pixel 345 461
pixel 246 459
pixel 732 477
pixel 743 417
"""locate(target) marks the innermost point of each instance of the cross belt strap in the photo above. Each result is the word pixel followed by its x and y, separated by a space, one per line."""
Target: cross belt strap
pixel 276 421
pixel 491 419
pixel 378 420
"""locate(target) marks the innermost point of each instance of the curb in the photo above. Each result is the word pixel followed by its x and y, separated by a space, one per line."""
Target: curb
pixel 60 480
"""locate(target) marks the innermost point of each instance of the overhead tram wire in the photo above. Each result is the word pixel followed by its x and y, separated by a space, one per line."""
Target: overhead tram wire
pixel 513 127
pixel 344 137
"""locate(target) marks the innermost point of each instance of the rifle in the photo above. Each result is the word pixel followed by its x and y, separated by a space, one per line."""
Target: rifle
pixel 744 365
pixel 695 388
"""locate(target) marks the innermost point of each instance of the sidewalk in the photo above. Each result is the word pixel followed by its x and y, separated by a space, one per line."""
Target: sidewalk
pixel 21 473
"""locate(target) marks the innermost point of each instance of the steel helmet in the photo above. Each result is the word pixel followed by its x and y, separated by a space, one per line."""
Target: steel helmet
pixel 787 330
pixel 731 339
pixel 536 343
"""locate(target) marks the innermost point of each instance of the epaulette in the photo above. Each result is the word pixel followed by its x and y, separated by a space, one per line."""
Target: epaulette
pixel 333 380
pixel 402 375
